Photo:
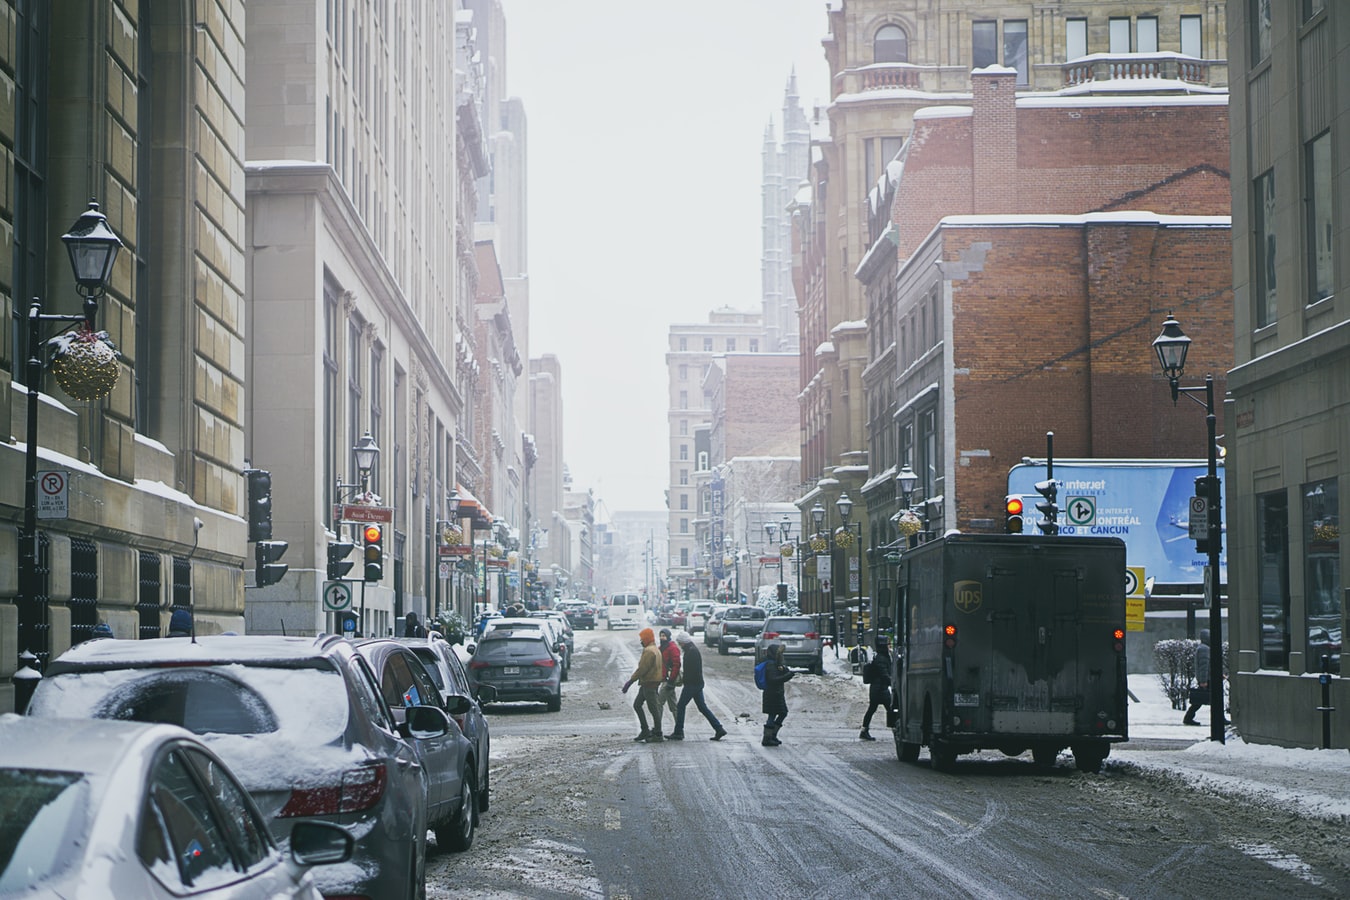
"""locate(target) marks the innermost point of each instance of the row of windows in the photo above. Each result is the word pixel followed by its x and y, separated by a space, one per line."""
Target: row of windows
pixel 753 344
pixel 1320 633
pixel 1317 231
pixel 1260 25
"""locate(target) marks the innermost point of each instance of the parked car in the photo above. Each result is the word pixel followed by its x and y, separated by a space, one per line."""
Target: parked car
pixel 581 613
pixel 800 640
pixel 712 630
pixel 443 664
pixel 698 615
pixel 127 809
pixel 449 760
pixel 517 664
pixel 564 625
pixel 299 720
pixel 545 626
pixel 740 628
pixel 679 616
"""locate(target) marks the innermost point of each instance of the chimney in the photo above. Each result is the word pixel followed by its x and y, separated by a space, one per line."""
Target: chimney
pixel 994 134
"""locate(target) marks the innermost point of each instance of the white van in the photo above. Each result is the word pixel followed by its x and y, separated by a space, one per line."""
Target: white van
pixel 626 611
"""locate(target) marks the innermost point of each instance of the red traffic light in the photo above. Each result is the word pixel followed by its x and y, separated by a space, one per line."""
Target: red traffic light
pixel 372 534
pixel 1014 506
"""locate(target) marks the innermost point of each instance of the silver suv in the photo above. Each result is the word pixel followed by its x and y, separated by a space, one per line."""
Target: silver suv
pixel 800 640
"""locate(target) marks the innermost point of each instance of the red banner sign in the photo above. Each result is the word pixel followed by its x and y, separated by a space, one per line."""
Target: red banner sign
pixel 356 512
pixel 454 550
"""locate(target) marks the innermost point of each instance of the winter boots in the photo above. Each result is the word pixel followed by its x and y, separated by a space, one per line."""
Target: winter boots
pixel 865 735
pixel 675 736
pixel 643 736
pixel 721 733
pixel 771 736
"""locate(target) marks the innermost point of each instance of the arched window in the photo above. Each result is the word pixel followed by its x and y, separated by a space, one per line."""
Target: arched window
pixel 890 45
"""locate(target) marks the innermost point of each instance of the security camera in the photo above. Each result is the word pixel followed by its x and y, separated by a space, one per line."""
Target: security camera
pixel 197 524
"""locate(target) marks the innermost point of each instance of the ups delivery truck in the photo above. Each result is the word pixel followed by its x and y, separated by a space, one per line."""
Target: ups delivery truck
pixel 1011 643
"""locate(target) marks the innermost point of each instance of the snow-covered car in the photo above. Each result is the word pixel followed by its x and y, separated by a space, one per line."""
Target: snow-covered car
pixel 126 809
pixel 443 663
pixel 449 760
pixel 299 720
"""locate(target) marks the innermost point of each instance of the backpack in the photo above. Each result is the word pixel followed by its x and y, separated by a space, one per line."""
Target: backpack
pixel 869 672
pixel 761 675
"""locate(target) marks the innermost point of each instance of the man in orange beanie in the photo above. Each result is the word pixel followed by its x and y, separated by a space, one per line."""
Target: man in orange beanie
pixel 648 676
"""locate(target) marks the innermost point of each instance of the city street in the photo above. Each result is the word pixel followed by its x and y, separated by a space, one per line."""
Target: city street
pixel 579 810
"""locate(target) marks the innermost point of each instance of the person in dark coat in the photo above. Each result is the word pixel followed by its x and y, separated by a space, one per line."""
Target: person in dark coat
pixel 411 627
pixel 776 676
pixel 180 623
pixel 878 671
pixel 692 689
pixel 1200 696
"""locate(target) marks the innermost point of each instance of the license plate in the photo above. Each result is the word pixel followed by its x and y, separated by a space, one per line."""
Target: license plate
pixel 792 643
pixel 966 700
pixel 511 670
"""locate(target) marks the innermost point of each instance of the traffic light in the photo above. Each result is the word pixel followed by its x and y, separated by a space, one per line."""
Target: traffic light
pixel 269 571
pixel 338 564
pixel 374 540
pixel 1013 514
pixel 259 504
pixel 1048 489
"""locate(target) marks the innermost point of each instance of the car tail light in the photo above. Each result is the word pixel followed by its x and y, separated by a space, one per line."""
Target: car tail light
pixel 546 663
pixel 360 789
pixel 477 664
pixel 770 635
pixel 811 635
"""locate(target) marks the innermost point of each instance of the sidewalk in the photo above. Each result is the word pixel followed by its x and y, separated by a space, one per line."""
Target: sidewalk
pixel 1310 783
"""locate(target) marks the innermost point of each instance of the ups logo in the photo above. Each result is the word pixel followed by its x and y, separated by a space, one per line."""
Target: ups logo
pixel 967 595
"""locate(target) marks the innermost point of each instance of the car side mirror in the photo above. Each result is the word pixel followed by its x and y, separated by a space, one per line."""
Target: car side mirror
pixel 487 693
pixel 424 722
pixel 457 704
pixel 320 843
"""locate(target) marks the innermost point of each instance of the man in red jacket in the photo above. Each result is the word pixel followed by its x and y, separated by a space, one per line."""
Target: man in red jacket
pixel 670 660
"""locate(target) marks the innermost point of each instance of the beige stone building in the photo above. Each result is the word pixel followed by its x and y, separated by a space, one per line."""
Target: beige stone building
pixel 142 109
pixel 1288 439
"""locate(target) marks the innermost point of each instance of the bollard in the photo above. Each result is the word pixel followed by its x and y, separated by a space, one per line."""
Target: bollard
pixel 25 681
pixel 1326 709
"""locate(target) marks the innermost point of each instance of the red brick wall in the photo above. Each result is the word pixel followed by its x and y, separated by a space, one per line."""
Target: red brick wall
pixel 762 413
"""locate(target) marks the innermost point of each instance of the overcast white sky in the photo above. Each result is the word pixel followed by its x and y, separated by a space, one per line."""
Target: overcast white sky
pixel 646 120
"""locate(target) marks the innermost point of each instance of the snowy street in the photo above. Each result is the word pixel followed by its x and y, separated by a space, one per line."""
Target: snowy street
pixel 580 810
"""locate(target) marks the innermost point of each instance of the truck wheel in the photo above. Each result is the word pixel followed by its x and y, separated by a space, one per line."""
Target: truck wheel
pixel 1045 756
pixel 722 649
pixel 906 751
pixel 818 667
pixel 941 757
pixel 1088 757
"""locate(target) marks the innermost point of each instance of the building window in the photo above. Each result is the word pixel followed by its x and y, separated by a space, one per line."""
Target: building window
pixel 376 406
pixel 983 44
pixel 1146 35
pixel 684 427
pixel 684 399
pixel 1075 38
pixel 684 343
pixel 707 345
pixel 1260 29
pixel 1319 218
pixel 353 382
pixel 684 557
pixel 1264 283
pixel 754 345
pixel 1322 573
pixel 684 476
pixel 1015 49
pixel 684 373
pixel 928 456
pixel 890 45
pixel 1272 583
pixel 684 526
pixel 1118 32
pixel 731 345
pixel 684 501
pixel 684 451
pixel 703 461
pixel 706 502
pixel 1190 37
pixel 1312 8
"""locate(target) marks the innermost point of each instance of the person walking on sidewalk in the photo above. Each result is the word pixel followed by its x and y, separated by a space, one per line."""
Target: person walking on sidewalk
pixel 877 674
pixel 1200 695
pixel 776 676
pixel 670 661
pixel 648 676
pixel 693 690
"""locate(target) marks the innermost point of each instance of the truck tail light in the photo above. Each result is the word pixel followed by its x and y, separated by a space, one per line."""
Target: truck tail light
pixel 949 636
pixel 1119 637
pixel 361 788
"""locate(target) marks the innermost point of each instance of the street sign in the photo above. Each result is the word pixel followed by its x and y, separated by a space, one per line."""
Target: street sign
pixel 1199 522
pixel 823 565
pixel 771 561
pixel 53 494
pixel 825 585
pixel 1134 581
pixel 1134 613
pixel 443 569
pixel 454 550
pixel 496 563
pixel 337 595
pixel 1081 511
pixel 359 512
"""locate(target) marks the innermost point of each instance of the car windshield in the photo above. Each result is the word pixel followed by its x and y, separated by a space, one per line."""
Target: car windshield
pixel 745 612
pixel 43 818
pixel 511 648
pixel 307 703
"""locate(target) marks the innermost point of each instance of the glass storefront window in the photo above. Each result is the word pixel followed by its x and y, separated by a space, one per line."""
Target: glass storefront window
pixel 1272 528
pixel 1322 573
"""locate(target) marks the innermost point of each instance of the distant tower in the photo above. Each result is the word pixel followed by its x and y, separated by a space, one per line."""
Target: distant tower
pixel 784 167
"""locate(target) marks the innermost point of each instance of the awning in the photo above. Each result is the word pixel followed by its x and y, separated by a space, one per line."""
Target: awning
pixel 470 507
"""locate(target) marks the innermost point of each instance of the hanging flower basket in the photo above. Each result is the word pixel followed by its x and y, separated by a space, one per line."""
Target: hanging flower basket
pixel 843 538
pixel 785 550
pixel 909 524
pixel 85 363
pixel 452 535
pixel 1326 533
pixel 495 551
pixel 819 544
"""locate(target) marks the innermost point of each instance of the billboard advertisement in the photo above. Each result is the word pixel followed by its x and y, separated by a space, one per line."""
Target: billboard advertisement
pixel 1146 503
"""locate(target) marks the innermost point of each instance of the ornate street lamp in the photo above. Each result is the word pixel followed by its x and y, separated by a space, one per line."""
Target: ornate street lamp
pixel 91 372
pixel 1171 346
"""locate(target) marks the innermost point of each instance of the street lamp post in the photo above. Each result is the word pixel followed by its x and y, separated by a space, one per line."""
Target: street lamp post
pixel 93 247
pixel 818 518
pixel 845 506
pixel 1171 346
